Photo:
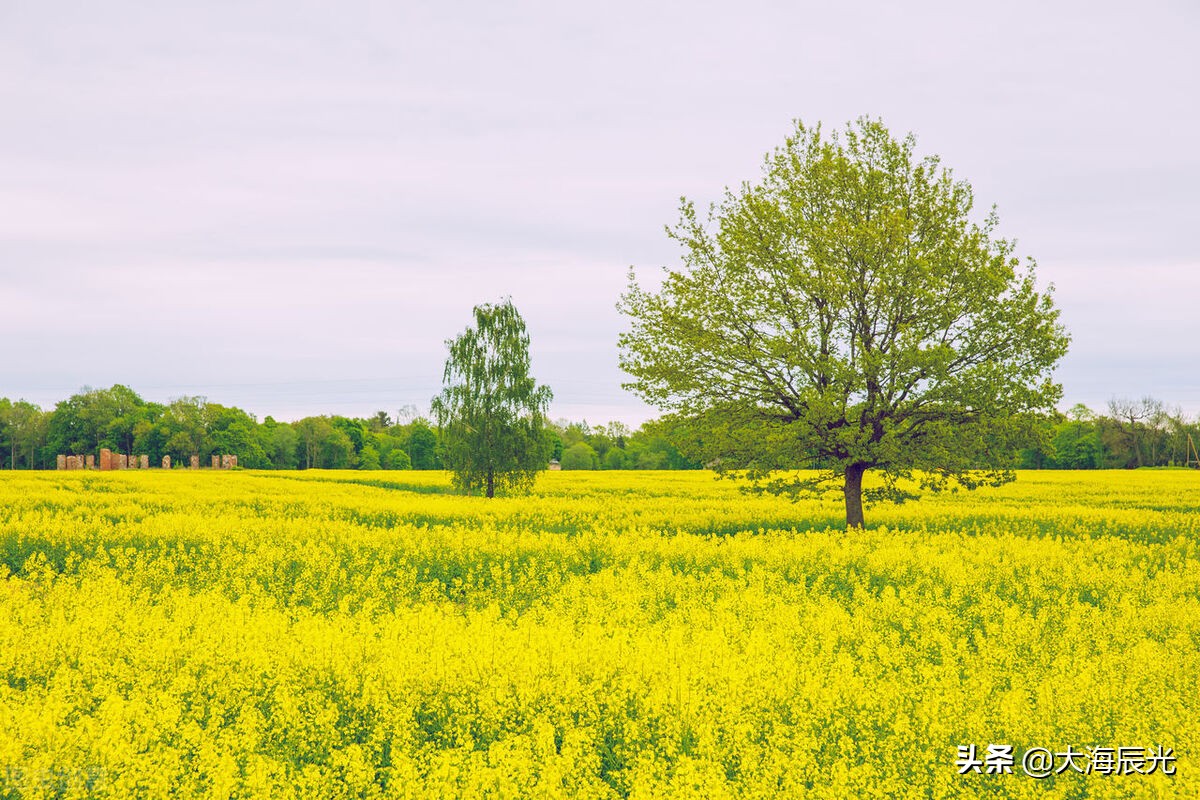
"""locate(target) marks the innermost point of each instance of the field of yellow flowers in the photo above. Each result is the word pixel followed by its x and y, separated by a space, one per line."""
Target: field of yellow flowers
pixel 644 635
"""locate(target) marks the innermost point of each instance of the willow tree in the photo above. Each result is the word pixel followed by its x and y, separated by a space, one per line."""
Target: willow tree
pixel 847 312
pixel 491 413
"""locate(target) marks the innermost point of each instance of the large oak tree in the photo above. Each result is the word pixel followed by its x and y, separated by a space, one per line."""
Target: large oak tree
pixel 847 311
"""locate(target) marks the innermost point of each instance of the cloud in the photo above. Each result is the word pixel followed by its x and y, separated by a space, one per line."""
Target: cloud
pixel 250 197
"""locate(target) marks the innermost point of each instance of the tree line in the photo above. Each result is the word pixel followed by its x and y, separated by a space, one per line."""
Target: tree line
pixel 120 419
pixel 1133 433
pixel 1126 434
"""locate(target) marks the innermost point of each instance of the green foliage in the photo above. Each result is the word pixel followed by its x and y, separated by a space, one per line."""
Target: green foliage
pixel 325 445
pixel 491 413
pixel 368 458
pixel 184 426
pixel 232 430
pixel 1077 445
pixel 380 422
pixel 354 430
pixel 580 456
pixel 554 443
pixel 614 459
pixel 280 441
pixel 23 427
pixel 398 459
pixel 95 418
pixel 1133 434
pixel 1080 439
pixel 847 310
pixel 618 447
pixel 423 446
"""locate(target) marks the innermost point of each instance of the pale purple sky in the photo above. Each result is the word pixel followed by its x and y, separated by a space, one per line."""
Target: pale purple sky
pixel 289 206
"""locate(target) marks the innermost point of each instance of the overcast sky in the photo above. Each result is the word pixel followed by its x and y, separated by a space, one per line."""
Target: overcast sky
pixel 290 206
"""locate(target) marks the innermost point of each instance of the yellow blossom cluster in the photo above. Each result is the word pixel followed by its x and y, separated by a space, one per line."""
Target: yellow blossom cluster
pixel 642 635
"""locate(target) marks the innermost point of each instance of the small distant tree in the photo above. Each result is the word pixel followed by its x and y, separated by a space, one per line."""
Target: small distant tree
pixel 422 445
pixel 398 459
pixel 491 413
pixel 380 422
pixel 280 442
pixel 312 433
pixel 614 458
pixel 7 434
pixel 554 443
pixel 368 458
pixel 324 444
pixel 580 456
pixel 1134 419
pixel 24 426
pixel 1077 440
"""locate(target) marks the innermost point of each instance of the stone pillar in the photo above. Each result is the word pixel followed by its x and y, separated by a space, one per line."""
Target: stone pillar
pixel 233 461
pixel 216 462
pixel 62 461
pixel 90 461
pixel 122 461
pixel 106 459
pixel 143 461
pixel 166 462
pixel 195 462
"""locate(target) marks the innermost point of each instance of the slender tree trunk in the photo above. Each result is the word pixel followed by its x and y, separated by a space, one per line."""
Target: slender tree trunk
pixel 853 491
pixel 491 488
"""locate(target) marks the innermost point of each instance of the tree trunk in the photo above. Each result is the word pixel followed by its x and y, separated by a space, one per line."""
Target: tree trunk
pixel 853 492
pixel 491 489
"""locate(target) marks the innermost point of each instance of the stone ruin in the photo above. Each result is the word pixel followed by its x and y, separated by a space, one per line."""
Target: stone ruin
pixel 111 461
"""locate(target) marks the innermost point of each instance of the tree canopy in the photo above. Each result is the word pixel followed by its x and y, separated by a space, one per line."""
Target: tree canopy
pixel 847 312
pixel 31 438
pixel 491 413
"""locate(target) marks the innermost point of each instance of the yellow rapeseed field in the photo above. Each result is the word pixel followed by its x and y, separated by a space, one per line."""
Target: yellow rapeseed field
pixel 643 635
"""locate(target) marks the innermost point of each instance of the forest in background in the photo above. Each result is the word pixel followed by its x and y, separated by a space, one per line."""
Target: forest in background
pixel 1127 434
pixel 121 420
